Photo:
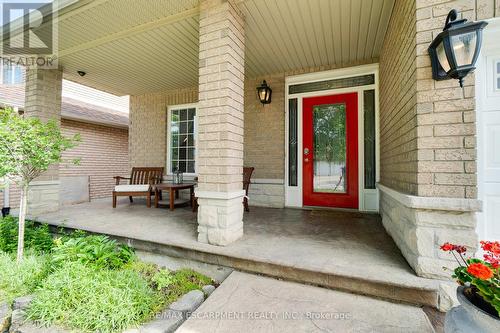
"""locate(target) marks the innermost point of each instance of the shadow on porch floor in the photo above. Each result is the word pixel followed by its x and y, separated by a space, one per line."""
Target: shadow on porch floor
pixel 342 250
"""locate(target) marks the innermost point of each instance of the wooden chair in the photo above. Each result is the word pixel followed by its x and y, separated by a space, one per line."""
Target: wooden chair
pixel 141 182
pixel 247 176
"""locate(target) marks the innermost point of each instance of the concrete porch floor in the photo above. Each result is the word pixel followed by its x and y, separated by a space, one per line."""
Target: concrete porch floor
pixel 341 250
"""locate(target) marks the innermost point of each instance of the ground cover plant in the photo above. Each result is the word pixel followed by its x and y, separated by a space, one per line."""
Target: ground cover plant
pixel 86 282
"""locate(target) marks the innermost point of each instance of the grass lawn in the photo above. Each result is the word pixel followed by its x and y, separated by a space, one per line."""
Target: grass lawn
pixel 90 283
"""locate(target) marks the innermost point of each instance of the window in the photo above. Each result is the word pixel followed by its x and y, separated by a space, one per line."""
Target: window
pixel 12 74
pixel 369 142
pixel 292 142
pixel 497 75
pixel 181 141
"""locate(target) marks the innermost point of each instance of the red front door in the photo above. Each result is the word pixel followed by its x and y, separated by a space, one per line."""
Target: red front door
pixel 330 151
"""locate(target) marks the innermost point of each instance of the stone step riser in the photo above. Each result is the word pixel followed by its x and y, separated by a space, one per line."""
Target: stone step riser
pixel 414 296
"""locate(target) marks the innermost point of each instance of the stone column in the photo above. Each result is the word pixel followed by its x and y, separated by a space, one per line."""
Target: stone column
pixel 220 119
pixel 43 100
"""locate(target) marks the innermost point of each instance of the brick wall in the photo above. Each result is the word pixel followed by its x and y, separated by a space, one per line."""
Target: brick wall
pixel 446 113
pixel 265 129
pixel 398 133
pixel 148 117
pixel 103 153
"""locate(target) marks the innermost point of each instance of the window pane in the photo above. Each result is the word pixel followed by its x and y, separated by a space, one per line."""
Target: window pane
pixel 354 81
pixel 18 75
pixel 191 114
pixel 182 166
pixel 182 140
pixel 183 127
pixel 329 124
pixel 191 153
pixel 369 142
pixel 183 113
pixel 292 142
pixel 182 153
pixel 175 153
pixel 498 83
pixel 175 115
pixel 174 165
pixel 190 167
pixel 498 67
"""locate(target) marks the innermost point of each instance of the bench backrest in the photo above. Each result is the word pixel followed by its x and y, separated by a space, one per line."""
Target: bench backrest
pixel 145 175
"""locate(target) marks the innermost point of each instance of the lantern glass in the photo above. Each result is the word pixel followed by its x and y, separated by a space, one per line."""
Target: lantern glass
pixel 464 47
pixel 441 55
pixel 262 94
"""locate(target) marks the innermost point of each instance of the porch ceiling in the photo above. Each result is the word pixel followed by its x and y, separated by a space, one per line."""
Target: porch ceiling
pixel 134 47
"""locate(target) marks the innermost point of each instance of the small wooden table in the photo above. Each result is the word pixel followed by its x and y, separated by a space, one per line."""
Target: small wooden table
pixel 173 190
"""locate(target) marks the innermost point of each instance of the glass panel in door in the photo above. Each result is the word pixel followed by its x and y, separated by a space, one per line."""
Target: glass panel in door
pixel 329 124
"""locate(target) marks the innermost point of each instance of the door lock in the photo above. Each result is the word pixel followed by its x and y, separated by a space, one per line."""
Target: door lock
pixel 306 151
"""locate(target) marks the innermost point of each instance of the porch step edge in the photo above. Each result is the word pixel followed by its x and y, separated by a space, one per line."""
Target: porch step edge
pixel 426 295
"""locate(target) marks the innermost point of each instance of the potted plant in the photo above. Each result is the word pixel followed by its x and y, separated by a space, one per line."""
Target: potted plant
pixel 478 291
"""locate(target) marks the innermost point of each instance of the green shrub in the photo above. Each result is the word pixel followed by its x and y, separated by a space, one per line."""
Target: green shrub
pixel 171 284
pixel 98 251
pixel 36 237
pixel 90 299
pixel 20 279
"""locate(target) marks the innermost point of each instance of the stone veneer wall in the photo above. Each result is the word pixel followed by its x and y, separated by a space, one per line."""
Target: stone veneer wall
pixel 428 160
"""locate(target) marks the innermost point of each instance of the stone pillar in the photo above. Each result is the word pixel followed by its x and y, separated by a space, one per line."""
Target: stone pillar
pixel 43 100
pixel 428 158
pixel 220 119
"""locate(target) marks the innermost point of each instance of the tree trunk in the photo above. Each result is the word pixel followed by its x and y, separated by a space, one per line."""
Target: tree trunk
pixel 22 218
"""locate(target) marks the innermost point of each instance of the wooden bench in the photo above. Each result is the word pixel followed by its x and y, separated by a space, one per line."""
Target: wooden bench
pixel 141 182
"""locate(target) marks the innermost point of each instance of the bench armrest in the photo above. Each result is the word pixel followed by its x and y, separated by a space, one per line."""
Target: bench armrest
pixel 118 178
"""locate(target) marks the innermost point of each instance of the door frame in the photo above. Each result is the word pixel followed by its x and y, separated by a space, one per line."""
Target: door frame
pixel 481 91
pixel 367 198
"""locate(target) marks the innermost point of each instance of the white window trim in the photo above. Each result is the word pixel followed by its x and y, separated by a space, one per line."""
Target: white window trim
pixel 169 138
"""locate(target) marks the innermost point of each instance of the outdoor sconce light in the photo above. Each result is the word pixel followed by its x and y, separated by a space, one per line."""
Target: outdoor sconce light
pixel 264 92
pixel 455 50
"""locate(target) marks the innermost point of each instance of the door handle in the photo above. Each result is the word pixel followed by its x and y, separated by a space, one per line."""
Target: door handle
pixel 306 160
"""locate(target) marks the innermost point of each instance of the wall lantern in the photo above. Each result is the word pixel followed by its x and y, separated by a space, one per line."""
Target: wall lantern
pixel 264 92
pixel 455 50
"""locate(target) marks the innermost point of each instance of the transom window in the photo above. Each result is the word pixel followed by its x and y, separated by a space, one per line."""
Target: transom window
pixel 181 143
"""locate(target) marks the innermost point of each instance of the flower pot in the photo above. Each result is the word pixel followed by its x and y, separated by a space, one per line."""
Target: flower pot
pixel 469 318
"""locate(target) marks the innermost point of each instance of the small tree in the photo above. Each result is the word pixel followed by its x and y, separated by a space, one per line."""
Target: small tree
pixel 28 147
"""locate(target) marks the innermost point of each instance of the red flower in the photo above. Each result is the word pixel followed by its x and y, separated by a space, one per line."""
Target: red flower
pixel 447 247
pixel 494 262
pixel 480 271
pixel 460 248
pixel 493 247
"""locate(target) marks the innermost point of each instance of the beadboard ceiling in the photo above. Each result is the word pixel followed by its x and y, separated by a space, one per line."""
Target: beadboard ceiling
pixel 134 47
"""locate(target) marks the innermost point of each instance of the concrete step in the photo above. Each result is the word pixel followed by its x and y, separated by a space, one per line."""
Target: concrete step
pixel 396 286
pixel 250 303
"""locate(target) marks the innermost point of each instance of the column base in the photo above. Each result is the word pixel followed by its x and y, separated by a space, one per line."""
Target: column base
pixel 419 225
pixel 220 217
